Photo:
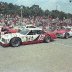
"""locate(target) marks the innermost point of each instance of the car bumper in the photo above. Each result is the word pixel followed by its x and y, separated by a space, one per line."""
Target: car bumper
pixel 60 36
pixel 54 37
pixel 3 44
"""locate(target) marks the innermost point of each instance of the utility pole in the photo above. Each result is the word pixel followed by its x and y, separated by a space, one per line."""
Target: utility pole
pixel 70 2
pixel 56 7
pixel 21 13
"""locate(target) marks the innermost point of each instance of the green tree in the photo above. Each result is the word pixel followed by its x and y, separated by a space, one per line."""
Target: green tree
pixel 46 13
pixel 35 10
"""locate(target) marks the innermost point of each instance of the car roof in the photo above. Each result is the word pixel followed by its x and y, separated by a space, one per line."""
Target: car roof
pixel 34 28
pixel 29 25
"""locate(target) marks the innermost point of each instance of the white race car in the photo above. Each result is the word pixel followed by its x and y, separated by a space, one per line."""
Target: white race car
pixel 27 36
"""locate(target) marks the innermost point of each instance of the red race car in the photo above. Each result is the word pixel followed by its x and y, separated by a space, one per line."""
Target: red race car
pixel 64 33
pixel 6 30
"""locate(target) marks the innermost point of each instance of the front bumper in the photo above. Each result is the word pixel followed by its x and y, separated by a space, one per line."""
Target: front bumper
pixel 60 35
pixel 3 44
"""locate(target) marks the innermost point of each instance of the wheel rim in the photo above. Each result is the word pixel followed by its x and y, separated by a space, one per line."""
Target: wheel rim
pixel 67 36
pixel 15 42
pixel 48 39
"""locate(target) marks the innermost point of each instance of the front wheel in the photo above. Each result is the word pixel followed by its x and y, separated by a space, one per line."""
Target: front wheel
pixel 47 39
pixel 15 42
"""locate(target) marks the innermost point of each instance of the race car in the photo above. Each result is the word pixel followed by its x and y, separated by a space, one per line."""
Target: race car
pixel 6 30
pixel 27 36
pixel 64 33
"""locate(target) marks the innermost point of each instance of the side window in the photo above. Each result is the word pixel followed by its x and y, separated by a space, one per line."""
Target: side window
pixel 40 32
pixel 34 32
pixel 31 33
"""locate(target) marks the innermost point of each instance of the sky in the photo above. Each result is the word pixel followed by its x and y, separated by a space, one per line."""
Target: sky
pixel 61 5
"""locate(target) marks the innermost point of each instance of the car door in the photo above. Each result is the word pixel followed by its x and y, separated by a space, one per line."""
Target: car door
pixel 41 35
pixel 32 36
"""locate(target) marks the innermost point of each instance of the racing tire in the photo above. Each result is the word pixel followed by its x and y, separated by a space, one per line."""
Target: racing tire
pixel 47 39
pixel 66 35
pixel 15 42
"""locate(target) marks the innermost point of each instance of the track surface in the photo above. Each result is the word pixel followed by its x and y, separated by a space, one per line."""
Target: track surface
pixel 45 57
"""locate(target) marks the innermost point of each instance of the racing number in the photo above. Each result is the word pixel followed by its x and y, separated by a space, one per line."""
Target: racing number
pixel 41 37
pixel 29 38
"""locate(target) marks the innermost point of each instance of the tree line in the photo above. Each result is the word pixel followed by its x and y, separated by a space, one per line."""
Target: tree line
pixel 34 10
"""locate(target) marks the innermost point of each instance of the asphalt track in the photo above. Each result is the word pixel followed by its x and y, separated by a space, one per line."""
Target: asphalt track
pixel 45 57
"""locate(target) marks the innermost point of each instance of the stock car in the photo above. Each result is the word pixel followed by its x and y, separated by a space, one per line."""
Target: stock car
pixel 66 32
pixel 6 30
pixel 27 36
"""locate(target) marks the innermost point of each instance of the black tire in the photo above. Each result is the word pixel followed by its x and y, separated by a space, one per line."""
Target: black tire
pixel 66 35
pixel 47 39
pixel 15 42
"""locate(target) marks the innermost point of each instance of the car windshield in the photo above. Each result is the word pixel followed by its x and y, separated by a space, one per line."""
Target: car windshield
pixel 24 32
pixel 68 29
pixel 22 28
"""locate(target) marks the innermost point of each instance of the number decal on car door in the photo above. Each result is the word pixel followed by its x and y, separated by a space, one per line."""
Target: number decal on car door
pixel 41 37
pixel 30 38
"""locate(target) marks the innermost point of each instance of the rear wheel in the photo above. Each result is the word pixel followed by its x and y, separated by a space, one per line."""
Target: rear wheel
pixel 47 39
pixel 66 35
pixel 15 42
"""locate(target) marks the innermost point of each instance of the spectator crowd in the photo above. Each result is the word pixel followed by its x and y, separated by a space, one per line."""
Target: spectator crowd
pixel 44 22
